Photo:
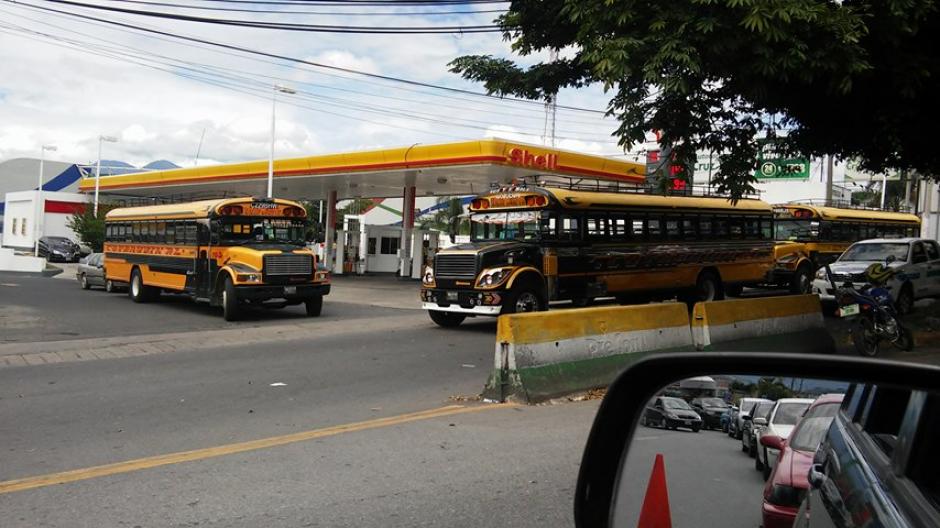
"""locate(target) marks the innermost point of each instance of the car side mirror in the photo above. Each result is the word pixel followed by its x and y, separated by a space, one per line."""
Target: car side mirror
pixel 772 441
pixel 760 421
pixel 613 467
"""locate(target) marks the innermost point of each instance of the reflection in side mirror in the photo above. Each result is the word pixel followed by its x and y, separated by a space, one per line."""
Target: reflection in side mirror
pixel 760 421
pixel 890 259
pixel 628 469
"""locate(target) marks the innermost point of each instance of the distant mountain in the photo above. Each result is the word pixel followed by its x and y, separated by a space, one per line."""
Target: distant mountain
pixel 160 165
pixel 116 164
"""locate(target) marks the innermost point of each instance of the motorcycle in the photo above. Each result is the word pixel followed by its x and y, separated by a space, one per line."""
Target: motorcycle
pixel 877 318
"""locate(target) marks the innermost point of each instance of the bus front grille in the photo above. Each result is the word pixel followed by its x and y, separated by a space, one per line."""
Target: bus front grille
pixel 287 265
pixel 456 266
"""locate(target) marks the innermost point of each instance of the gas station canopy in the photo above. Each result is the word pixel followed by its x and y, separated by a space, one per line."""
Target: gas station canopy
pixel 443 169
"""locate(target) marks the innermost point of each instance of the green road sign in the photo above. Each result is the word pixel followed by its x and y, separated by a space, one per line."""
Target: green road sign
pixel 783 169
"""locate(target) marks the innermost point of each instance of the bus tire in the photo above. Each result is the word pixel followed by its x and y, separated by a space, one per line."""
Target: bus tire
pixel 138 291
pixel 314 306
pixel 802 281
pixel 707 288
pixel 523 298
pixel 230 308
pixel 446 319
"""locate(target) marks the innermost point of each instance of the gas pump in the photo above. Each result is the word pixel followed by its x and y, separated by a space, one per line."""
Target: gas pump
pixel 353 227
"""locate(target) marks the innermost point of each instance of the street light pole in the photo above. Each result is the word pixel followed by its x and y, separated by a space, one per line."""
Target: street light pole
pixel 40 210
pixel 109 139
pixel 285 90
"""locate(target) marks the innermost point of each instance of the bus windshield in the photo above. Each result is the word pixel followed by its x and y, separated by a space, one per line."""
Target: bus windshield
pixel 516 225
pixel 796 229
pixel 244 230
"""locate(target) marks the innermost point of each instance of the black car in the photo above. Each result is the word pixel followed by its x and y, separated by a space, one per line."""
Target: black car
pixel 753 424
pixel 59 248
pixel 710 409
pixel 671 413
pixel 878 465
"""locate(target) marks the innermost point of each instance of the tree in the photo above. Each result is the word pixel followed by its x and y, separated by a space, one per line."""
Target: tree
pixel 772 389
pixel 88 227
pixel 856 78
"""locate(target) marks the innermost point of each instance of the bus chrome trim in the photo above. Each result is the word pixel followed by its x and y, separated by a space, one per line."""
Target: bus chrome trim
pixel 476 310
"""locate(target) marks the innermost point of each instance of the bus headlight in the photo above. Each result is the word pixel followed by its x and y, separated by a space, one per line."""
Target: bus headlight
pixel 249 277
pixel 428 277
pixel 493 277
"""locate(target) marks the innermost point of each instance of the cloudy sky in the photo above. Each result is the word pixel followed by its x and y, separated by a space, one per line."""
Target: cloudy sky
pixel 65 81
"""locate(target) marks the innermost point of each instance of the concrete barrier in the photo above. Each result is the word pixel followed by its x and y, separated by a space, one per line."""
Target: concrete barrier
pixel 792 323
pixel 548 354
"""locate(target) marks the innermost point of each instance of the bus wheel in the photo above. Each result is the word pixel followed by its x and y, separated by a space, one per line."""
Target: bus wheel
pixel 446 319
pixel 802 281
pixel 314 306
pixel 522 299
pixel 708 287
pixel 229 301
pixel 138 291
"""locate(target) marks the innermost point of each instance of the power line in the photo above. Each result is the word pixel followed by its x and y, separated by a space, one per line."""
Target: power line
pixel 285 26
pixel 295 60
pixel 324 13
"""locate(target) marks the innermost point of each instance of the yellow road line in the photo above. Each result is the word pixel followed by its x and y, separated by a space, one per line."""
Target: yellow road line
pixel 128 466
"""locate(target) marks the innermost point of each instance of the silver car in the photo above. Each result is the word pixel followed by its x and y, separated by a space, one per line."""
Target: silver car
pixel 90 272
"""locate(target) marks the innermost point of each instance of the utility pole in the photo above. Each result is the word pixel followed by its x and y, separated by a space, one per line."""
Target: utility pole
pixel 829 171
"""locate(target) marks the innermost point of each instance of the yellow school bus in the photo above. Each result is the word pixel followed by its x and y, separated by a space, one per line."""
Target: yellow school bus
pixel 532 245
pixel 226 252
pixel 810 236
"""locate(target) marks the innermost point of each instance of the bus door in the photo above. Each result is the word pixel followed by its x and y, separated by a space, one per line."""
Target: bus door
pixel 201 268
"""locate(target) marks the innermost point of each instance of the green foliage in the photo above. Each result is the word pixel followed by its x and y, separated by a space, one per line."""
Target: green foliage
pixel 90 228
pixel 856 78
pixel 772 389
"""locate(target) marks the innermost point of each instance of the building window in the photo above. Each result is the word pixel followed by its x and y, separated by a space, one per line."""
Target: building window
pixel 372 243
pixel 23 226
pixel 389 245
pixel 15 223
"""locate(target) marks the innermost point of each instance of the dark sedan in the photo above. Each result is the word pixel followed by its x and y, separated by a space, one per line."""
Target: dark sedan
pixel 671 413
pixel 710 409
pixel 59 248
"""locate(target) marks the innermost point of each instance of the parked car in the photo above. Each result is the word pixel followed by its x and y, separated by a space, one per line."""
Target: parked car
pixel 671 413
pixel 877 465
pixel 788 482
pixel 744 409
pixel 58 248
pixel 710 409
pixel 90 272
pixel 753 425
pixel 915 261
pixel 780 423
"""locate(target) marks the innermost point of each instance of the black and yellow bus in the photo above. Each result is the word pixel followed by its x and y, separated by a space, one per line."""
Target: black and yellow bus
pixel 533 245
pixel 226 252
pixel 811 235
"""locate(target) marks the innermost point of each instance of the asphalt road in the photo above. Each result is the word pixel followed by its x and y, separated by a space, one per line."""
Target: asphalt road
pixel 710 481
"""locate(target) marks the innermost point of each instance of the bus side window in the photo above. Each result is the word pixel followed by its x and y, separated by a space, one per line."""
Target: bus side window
pixel 654 229
pixel 145 231
pixel 767 228
pixel 752 228
pixel 547 226
pixel 597 227
pixel 135 232
pixel 825 231
pixel 722 229
pixel 671 225
pixel 638 229
pixel 688 229
pixel 618 227
pixel 109 233
pixel 159 232
pixel 570 228
pixel 705 227
pixel 171 232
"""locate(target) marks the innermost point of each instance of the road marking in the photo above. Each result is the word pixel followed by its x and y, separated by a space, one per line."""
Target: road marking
pixel 10 284
pixel 41 481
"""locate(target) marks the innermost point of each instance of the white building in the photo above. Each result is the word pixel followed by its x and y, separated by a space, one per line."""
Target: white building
pixel 20 229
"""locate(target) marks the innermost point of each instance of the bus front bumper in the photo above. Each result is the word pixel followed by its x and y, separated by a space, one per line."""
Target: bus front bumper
pixel 293 292
pixel 469 302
